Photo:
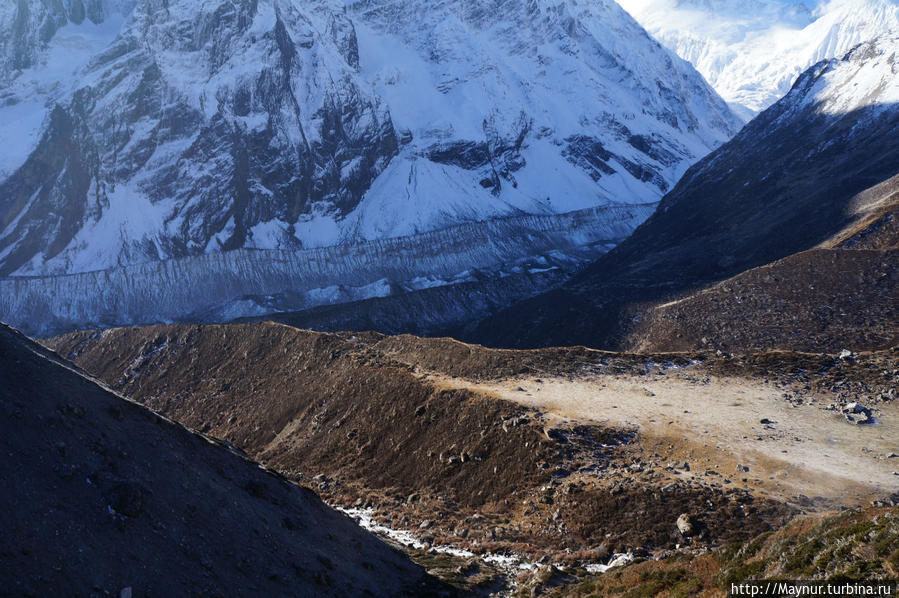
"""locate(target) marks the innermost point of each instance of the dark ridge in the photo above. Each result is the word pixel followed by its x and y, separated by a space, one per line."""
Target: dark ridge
pixel 102 494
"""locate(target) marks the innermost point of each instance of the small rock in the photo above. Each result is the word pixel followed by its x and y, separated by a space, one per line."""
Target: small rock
pixel 469 568
pixel 128 498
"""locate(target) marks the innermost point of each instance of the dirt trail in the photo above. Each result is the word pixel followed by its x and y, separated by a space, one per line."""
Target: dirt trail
pixel 716 425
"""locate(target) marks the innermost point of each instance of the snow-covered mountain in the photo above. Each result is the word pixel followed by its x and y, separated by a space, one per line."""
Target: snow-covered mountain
pixel 752 51
pixel 822 161
pixel 187 129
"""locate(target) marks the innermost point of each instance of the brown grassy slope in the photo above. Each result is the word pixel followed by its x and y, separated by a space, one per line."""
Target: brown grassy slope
pixel 102 494
pixel 864 377
pixel 850 546
pixel 320 403
pixel 822 300
pixel 454 358
pixel 842 294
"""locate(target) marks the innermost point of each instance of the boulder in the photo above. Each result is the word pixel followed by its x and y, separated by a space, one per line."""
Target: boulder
pixel 685 525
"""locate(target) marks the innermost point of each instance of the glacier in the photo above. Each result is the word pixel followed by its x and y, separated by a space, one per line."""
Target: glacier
pixel 249 282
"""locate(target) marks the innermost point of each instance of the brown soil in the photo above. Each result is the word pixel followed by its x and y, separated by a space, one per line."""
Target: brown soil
pixel 795 442
pixel 309 403
pixel 839 295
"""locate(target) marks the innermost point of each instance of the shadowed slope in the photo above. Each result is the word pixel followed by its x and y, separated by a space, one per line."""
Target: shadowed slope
pixel 102 494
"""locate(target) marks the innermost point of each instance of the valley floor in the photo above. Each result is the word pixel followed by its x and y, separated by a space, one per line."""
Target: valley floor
pixel 751 433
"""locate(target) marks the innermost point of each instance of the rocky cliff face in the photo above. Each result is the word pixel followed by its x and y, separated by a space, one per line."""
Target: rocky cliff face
pixel 195 126
pixel 278 125
pixel 30 26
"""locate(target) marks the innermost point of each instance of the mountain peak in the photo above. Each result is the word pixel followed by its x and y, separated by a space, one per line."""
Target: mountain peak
pixel 862 78
pixel 814 169
pixel 752 52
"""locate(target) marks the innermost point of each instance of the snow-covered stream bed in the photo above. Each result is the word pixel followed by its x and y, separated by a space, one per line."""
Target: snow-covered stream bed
pixel 510 564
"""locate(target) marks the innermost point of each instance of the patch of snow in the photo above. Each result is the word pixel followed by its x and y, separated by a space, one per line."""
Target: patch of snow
pixel 130 220
pixel 365 519
pixel 617 560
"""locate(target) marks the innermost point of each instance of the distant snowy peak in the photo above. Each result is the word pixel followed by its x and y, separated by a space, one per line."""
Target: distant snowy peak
pixel 540 107
pixel 748 14
pixel 834 121
pixel 752 52
pixel 866 77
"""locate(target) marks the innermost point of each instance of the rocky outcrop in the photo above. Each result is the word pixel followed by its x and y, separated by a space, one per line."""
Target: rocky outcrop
pixel 179 149
pixel 29 26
